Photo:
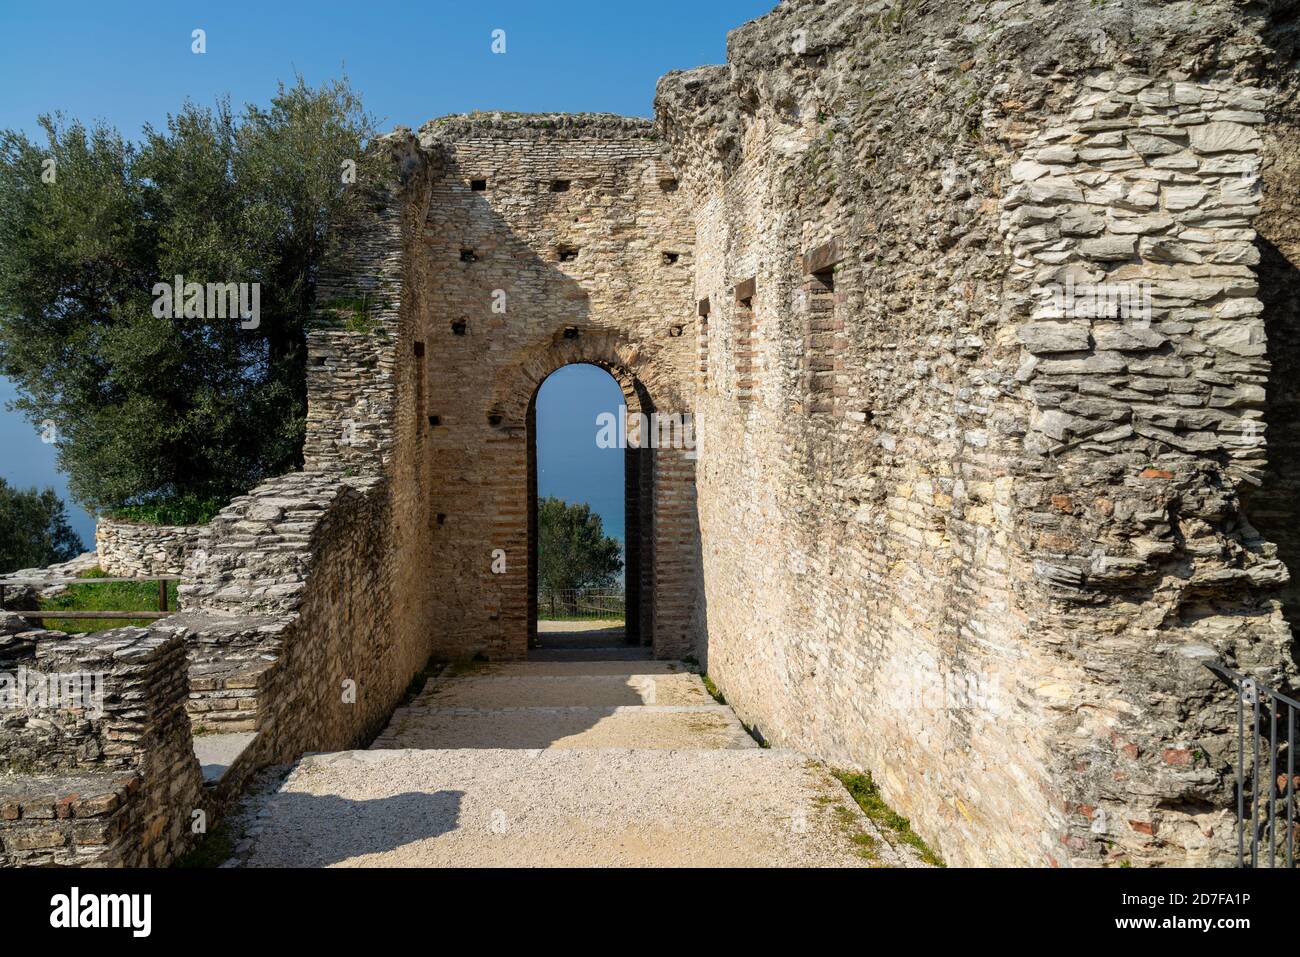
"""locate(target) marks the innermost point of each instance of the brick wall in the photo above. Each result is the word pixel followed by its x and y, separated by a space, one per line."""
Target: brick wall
pixel 547 241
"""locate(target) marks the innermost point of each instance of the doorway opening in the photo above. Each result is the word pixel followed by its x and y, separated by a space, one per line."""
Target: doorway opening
pixel 587 486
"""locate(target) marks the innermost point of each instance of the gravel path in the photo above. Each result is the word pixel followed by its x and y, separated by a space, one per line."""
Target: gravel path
pixel 539 764
pixel 544 808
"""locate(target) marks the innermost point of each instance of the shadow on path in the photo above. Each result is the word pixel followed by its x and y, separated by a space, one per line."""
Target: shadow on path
pixel 327 829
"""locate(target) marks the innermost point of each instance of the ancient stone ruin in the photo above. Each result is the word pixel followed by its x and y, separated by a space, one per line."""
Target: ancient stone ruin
pixel 982 316
pixel 136 550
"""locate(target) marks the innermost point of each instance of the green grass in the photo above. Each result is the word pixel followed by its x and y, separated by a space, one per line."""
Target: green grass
pixel 613 618
pixel 864 791
pixel 183 510
pixel 355 313
pixel 119 596
pixel 867 845
pixel 712 689
pixel 212 850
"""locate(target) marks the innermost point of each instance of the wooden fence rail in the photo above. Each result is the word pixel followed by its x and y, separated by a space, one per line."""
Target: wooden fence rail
pixel 162 612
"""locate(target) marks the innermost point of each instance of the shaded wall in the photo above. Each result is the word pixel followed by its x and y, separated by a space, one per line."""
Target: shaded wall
pixel 547 241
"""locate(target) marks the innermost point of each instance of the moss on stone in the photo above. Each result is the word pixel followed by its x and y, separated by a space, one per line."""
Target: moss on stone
pixel 712 689
pixel 863 790
pixel 212 850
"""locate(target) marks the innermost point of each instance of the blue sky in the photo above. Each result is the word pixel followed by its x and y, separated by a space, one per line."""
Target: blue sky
pixel 569 463
pixel 27 461
pixel 411 62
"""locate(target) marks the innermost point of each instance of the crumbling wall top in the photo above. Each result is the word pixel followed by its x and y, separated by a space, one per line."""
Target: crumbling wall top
pixel 495 124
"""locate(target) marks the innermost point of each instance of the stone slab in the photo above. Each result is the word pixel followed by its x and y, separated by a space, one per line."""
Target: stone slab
pixel 504 691
pixel 217 752
pixel 648 727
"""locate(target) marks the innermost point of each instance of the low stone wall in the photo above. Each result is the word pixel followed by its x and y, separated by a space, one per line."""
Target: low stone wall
pixel 289 623
pixel 23 590
pixel 97 765
pixel 289 634
pixel 289 629
pixel 131 549
pixel 227 658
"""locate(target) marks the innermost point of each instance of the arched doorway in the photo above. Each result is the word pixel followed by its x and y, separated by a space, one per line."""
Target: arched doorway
pixel 483 516
pixel 582 469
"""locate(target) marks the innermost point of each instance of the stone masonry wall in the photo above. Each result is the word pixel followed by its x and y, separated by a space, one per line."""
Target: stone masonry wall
pixel 351 354
pixel 957 530
pixel 135 550
pixel 300 646
pixel 1272 504
pixel 952 521
pixel 106 774
pixel 300 616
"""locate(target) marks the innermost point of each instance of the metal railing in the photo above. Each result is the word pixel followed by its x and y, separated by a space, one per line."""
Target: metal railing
pixel 1266 809
pixel 581 605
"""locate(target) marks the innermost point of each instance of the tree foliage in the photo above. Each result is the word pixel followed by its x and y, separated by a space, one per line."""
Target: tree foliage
pixel 151 409
pixel 34 529
pixel 572 548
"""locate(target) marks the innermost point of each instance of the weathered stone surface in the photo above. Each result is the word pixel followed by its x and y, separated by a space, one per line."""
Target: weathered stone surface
pixel 96 761
pixel 1225 138
pixel 1109 248
pixel 947 523
pixel 1013 575
pixel 137 550
pixel 1047 337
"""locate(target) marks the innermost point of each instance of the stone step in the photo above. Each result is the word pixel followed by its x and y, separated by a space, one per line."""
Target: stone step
pixel 217 752
pixel 615 653
pixel 653 727
pixel 543 691
pixel 582 667
pixel 562 808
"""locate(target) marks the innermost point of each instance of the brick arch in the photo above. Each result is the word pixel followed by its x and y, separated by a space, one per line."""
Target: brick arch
pixel 658 494
pixel 498 309
pixel 646 385
pixel 638 471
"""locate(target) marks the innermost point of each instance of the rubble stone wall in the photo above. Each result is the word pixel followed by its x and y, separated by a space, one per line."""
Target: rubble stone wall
pixel 958 530
pixel 301 614
pixel 96 760
pixel 137 550
pixel 306 653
